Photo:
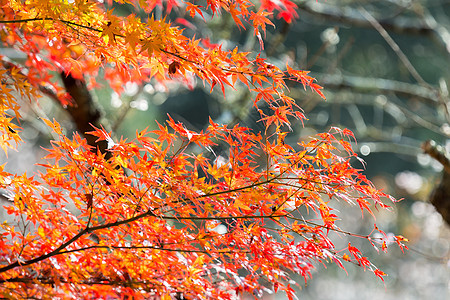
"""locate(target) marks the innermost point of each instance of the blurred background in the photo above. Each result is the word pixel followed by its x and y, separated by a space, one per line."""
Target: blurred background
pixel 385 68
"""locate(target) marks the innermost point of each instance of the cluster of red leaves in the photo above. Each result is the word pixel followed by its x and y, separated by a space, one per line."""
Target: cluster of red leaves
pixel 145 223
pixel 81 37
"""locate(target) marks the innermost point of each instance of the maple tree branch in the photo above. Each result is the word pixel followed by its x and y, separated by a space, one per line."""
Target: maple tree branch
pixel 50 19
pixel 267 181
pixel 71 240
pixel 231 70
pixel 153 248
pixel 86 230
pixel 336 229
pixel 151 213
pixel 85 27
pixel 334 252
pixel 94 281
pixel 223 218
pixel 44 256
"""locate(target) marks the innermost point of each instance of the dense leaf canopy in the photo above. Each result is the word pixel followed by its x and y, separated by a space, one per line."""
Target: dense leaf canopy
pixel 154 216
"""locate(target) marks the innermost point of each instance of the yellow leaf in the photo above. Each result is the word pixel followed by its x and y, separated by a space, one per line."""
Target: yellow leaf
pixel 41 232
pixel 239 204
pixel 165 297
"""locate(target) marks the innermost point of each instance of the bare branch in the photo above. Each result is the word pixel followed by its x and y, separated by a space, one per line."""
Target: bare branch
pixel 394 47
pixel 438 153
pixel 401 25
pixel 379 85
pixel 440 197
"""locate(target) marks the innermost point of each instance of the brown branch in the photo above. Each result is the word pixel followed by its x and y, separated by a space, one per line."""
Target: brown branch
pixel 94 281
pixel 49 19
pixel 92 229
pixel 152 248
pixel 85 112
pixel 335 228
pixel 440 196
pixel 438 153
pixel 64 245
pixel 45 256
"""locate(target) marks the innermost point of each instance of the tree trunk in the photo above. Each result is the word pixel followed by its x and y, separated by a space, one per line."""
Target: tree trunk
pixel 440 197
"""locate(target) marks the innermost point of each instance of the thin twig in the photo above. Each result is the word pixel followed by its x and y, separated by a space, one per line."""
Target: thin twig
pixel 438 153
pixel 394 46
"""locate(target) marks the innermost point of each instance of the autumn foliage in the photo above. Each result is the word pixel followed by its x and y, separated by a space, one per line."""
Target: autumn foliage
pixel 154 216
